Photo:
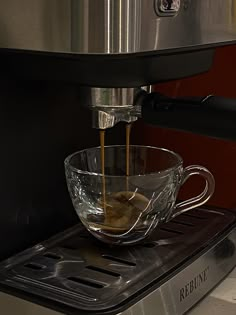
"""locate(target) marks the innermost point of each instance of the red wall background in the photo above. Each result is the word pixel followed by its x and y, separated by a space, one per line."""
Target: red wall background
pixel 217 155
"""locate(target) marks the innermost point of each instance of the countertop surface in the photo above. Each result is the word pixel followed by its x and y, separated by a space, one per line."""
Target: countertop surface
pixel 222 300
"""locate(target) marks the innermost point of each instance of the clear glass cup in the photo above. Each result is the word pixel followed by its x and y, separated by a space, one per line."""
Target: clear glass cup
pixel 120 209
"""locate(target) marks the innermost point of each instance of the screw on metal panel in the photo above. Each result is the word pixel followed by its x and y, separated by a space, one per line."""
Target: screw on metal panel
pixel 186 4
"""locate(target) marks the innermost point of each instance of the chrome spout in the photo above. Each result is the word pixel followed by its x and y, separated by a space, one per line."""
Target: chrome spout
pixel 112 105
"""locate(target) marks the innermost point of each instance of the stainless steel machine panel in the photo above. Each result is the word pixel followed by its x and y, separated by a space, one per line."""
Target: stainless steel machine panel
pixel 115 26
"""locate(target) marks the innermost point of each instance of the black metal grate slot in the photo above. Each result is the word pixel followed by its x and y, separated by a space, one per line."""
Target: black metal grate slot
pixel 171 231
pixel 122 261
pixel 88 283
pixel 182 223
pixel 104 271
pixel 34 266
pixel 84 236
pixel 149 245
pixel 52 256
pixel 68 246
pixel 193 216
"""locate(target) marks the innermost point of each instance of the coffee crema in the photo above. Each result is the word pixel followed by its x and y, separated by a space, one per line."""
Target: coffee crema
pixel 123 211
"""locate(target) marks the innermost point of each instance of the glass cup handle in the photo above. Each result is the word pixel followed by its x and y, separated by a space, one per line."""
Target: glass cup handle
pixel 203 197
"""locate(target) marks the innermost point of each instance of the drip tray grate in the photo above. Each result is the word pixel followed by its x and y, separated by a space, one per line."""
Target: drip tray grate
pixel 74 269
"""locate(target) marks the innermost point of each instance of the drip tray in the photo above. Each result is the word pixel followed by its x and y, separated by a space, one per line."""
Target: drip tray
pixel 75 270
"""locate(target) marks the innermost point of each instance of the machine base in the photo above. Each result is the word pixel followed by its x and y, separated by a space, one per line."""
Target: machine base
pixel 170 272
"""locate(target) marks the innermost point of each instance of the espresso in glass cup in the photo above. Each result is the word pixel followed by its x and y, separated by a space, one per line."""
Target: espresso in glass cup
pixel 120 209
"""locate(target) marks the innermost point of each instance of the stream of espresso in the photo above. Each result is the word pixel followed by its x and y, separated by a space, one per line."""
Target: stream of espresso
pixel 128 131
pixel 102 144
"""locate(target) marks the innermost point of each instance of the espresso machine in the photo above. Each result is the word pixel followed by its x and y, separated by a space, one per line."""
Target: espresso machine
pixel 68 69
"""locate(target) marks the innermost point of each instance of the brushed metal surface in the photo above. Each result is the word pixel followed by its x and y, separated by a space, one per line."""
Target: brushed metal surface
pixel 73 269
pixel 112 97
pixel 113 26
pixel 103 119
pixel 11 305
